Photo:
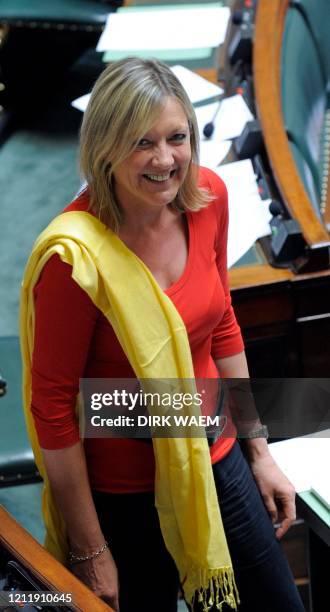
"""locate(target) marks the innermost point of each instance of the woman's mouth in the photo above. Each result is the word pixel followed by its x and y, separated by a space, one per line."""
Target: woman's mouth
pixel 159 178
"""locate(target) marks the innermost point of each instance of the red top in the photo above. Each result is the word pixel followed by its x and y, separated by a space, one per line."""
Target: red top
pixel 74 340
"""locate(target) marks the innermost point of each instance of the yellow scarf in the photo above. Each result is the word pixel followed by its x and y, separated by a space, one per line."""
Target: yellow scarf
pixel 155 341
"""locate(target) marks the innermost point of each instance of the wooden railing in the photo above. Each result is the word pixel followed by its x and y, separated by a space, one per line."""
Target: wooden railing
pixel 44 568
pixel 269 28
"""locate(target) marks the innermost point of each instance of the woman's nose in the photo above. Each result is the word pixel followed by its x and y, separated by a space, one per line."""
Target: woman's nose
pixel 163 156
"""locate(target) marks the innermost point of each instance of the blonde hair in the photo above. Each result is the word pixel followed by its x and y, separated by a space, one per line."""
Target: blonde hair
pixel 125 102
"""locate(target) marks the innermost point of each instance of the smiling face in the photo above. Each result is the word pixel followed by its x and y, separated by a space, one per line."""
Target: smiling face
pixel 152 175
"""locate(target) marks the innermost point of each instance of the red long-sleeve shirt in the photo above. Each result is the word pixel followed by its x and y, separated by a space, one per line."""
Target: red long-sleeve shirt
pixel 74 340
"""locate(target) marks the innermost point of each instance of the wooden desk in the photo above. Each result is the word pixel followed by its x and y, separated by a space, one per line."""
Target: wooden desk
pixel 285 320
pixel 43 567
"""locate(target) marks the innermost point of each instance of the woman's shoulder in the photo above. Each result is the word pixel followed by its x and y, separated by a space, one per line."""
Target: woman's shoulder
pixel 80 202
pixel 210 180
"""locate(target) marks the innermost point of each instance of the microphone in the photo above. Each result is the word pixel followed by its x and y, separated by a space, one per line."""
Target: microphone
pixel 237 18
pixel 209 127
pixel 276 209
pixel 242 17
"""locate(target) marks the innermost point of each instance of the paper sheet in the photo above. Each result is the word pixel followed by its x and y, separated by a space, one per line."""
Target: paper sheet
pixel 230 119
pixel 304 459
pixel 249 215
pixel 212 153
pixel 81 103
pixel 197 87
pixel 176 28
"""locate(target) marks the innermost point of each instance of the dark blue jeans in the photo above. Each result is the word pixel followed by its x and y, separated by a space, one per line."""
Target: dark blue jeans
pixel 147 574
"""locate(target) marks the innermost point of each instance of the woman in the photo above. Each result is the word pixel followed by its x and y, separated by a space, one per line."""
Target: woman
pixel 150 299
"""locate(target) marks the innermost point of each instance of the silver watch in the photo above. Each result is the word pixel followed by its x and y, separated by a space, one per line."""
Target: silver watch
pixel 261 432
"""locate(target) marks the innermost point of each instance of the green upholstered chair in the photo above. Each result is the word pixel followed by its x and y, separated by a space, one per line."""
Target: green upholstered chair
pixel 305 102
pixel 16 458
pixel 317 15
pixel 44 39
pixel 60 14
pixel 305 172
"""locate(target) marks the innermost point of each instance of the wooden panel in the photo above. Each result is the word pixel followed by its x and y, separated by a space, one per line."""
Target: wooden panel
pixel 312 296
pixel 314 346
pixel 263 307
pixel 44 567
pixel 255 276
pixel 208 73
pixel 295 546
pixel 284 321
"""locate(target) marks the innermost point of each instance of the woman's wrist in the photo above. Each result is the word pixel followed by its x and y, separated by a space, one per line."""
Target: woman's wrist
pixel 75 557
pixel 85 542
pixel 255 448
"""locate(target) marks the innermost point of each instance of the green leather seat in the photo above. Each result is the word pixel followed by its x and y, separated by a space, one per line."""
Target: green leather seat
pixel 64 12
pixel 16 458
pixel 304 101
pixel 317 13
pixel 305 173
pixel 45 38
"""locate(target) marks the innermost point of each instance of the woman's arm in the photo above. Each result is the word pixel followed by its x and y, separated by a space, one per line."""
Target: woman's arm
pixel 277 491
pixel 65 320
pixel 67 473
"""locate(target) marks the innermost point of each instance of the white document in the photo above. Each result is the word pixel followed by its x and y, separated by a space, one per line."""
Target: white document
pixel 212 153
pixel 304 460
pixel 168 28
pixel 197 87
pixel 248 220
pixel 81 103
pixel 249 215
pixel 230 120
pixel 239 177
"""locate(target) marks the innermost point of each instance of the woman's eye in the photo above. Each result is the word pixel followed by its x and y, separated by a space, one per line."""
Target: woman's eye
pixel 178 137
pixel 143 142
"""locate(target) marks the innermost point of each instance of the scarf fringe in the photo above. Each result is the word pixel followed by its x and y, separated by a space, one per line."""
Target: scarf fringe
pixel 221 589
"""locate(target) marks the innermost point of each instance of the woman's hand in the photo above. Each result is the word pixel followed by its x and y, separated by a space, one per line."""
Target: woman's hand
pixel 277 491
pixel 101 576
pixel 68 476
